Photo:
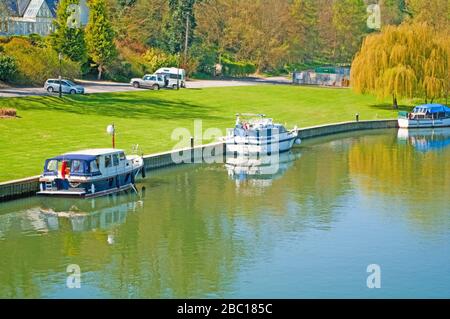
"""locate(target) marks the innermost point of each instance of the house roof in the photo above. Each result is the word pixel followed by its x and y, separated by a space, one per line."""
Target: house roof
pixel 52 4
pixel 19 7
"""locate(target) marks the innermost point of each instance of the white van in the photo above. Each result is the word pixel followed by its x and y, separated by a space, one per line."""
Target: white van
pixel 173 77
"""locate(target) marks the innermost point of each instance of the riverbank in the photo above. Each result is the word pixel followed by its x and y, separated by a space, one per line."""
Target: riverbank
pixel 29 186
pixel 50 126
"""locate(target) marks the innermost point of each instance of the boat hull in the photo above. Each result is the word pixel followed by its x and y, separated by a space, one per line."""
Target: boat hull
pixel 256 146
pixel 91 187
pixel 423 123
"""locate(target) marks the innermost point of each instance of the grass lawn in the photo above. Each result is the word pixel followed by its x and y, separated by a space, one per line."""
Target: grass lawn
pixel 49 126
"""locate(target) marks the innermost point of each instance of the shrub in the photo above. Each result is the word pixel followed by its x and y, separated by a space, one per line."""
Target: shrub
pixel 35 64
pixel 155 59
pixel 8 68
pixel 8 112
pixel 132 63
pixel 237 68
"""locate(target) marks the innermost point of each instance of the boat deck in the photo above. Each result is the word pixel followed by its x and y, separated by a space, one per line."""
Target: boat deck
pixel 66 192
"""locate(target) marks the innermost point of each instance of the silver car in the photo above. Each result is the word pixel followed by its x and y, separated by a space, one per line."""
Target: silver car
pixel 152 81
pixel 67 86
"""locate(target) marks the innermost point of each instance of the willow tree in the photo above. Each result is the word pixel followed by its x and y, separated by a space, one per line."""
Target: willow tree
pixel 402 62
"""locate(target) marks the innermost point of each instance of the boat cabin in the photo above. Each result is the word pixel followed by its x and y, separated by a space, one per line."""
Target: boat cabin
pixel 88 163
pixel 430 111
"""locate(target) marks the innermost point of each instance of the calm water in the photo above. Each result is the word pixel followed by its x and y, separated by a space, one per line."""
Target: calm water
pixel 335 205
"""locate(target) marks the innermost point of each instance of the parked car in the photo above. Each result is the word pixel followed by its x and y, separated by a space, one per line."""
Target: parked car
pixel 67 86
pixel 152 81
pixel 174 77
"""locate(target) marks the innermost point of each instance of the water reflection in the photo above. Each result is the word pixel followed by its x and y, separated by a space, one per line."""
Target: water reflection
pixel 77 215
pixel 89 214
pixel 260 170
pixel 425 140
pixel 213 231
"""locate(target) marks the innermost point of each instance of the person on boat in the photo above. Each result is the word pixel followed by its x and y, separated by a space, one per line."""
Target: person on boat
pixel 64 170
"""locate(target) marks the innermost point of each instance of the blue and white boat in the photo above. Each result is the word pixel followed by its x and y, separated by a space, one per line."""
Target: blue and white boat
pixel 90 173
pixel 427 115
pixel 259 135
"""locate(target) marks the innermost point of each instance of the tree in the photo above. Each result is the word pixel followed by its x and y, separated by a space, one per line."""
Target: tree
pixel 8 68
pixel 100 36
pixel 181 20
pixel 140 23
pixel 402 62
pixel 434 12
pixel 68 37
pixel 392 11
pixel 3 10
pixel 349 21
pixel 304 28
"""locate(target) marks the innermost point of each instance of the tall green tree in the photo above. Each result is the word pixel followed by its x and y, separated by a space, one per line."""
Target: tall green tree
pixel 304 29
pixel 350 25
pixel 100 36
pixel 181 19
pixel 68 37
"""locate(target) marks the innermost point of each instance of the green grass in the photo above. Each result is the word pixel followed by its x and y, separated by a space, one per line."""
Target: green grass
pixel 49 126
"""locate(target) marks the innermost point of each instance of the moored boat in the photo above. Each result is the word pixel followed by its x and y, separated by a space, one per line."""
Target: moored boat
pixel 427 115
pixel 259 135
pixel 90 173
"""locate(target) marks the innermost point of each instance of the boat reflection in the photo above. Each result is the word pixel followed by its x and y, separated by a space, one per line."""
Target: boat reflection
pixel 76 215
pixel 259 170
pixel 425 140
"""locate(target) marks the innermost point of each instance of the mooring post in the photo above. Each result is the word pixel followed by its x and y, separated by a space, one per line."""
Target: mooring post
pixel 192 149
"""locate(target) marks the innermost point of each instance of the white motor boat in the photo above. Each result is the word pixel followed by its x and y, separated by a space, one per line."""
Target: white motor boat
pixel 427 115
pixel 259 135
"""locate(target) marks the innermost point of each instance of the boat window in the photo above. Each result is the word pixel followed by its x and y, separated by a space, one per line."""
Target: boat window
pixel 94 165
pixel 52 166
pixel 116 159
pixel 76 166
pixel 122 156
pixel 108 162
pixel 281 129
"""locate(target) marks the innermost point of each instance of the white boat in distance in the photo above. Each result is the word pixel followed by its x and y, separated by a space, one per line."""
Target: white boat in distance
pixel 259 135
pixel 427 115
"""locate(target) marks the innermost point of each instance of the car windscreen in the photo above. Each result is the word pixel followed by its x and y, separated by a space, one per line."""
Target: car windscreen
pixel 70 83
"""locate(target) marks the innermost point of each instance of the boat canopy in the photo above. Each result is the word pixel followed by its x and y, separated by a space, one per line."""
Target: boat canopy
pixel 71 157
pixel 431 108
pixel 80 165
